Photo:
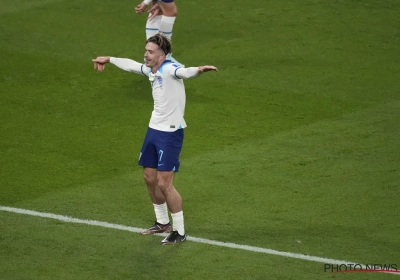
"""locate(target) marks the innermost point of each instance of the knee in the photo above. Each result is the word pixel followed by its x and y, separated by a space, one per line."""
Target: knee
pixel 149 178
pixel 163 185
pixel 173 13
pixel 170 10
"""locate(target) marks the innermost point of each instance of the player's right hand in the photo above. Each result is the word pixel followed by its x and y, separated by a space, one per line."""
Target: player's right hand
pixel 207 68
pixel 100 62
pixel 141 8
pixel 154 11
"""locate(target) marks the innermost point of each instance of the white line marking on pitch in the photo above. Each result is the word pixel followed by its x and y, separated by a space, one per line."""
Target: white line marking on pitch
pixel 191 238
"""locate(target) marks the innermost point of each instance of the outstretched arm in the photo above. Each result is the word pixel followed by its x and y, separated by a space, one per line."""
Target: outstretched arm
pixel 122 63
pixel 191 72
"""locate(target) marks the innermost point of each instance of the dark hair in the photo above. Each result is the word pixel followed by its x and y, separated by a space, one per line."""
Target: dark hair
pixel 162 41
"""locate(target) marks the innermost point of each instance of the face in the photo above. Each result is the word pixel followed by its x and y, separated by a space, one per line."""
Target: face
pixel 154 55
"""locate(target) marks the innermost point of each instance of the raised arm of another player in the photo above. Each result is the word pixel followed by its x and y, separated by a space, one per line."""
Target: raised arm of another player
pixel 192 72
pixel 141 8
pixel 122 63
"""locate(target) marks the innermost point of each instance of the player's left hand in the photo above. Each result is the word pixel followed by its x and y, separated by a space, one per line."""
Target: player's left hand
pixel 207 68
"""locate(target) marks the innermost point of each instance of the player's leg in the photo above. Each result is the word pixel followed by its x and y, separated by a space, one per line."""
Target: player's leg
pixel 150 178
pixel 162 223
pixel 148 159
pixel 168 8
pixel 171 195
pixel 169 146
pixel 174 202
pixel 152 26
pixel 169 11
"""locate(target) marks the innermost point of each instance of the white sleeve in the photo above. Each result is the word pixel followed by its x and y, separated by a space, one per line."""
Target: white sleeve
pixel 147 2
pixel 186 73
pixel 130 65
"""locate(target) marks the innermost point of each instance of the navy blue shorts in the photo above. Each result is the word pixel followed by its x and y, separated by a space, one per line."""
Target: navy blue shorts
pixel 165 1
pixel 161 150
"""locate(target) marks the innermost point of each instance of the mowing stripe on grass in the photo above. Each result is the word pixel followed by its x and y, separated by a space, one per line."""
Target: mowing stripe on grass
pixel 191 238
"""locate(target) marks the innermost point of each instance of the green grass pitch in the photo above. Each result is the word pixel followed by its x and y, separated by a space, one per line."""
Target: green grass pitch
pixel 293 145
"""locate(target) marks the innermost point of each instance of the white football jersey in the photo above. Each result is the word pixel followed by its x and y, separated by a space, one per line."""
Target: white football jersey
pixel 168 91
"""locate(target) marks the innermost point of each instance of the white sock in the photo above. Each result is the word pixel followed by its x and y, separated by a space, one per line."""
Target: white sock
pixel 177 222
pixel 152 26
pixel 166 26
pixel 161 211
